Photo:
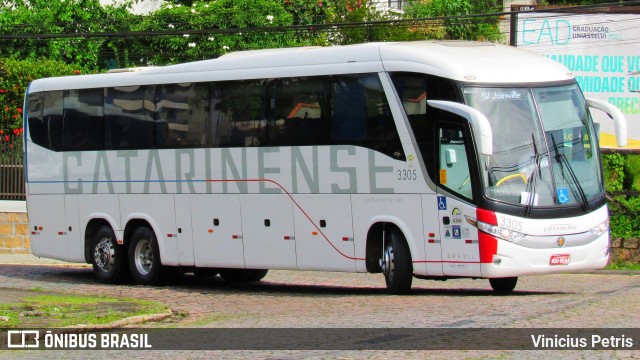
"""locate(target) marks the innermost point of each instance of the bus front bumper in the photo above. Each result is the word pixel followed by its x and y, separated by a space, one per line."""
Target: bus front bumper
pixel 514 260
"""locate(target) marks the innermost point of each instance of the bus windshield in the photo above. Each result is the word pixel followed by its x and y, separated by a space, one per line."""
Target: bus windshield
pixel 544 146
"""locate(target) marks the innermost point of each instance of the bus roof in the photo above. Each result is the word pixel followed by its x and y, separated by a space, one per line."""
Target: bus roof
pixel 474 62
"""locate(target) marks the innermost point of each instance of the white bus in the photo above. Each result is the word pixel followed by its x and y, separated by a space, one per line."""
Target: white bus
pixel 433 160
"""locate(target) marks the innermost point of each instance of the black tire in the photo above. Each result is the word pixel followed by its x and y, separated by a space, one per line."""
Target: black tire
pixel 107 257
pixel 144 257
pixel 396 263
pixel 503 285
pixel 233 276
pixel 258 274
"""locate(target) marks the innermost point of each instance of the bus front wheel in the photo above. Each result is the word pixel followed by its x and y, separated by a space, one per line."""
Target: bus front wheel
pixel 108 259
pixel 396 263
pixel 144 257
pixel 503 285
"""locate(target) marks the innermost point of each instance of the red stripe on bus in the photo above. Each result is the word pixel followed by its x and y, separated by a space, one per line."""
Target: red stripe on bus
pixel 318 230
pixel 299 207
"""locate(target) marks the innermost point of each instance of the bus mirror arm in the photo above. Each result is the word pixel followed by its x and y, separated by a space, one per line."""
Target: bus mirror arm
pixel 619 122
pixel 479 123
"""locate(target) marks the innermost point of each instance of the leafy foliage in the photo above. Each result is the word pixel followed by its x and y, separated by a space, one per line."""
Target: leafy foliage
pixel 218 22
pixel 15 76
pixel 458 22
pixel 622 179
pixel 57 20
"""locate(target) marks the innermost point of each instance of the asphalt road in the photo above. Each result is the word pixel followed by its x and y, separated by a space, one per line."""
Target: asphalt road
pixel 290 299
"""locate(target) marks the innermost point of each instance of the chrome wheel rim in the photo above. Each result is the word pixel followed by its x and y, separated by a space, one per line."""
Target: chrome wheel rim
pixel 143 255
pixel 388 261
pixel 104 254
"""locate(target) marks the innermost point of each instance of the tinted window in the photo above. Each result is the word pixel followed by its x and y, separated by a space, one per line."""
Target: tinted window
pixel 340 110
pixel 83 122
pixel 182 112
pixel 414 90
pixel 238 114
pixel 52 120
pixel 36 126
pixel 360 115
pixel 128 112
pixel 297 115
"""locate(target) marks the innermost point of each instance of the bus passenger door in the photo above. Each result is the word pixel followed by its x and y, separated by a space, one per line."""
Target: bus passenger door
pixel 267 230
pixel 324 232
pixel 460 248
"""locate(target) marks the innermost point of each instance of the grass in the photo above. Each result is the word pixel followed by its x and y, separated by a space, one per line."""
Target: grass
pixel 623 266
pixel 68 310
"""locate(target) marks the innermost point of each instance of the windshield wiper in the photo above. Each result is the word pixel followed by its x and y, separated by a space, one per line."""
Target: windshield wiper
pixel 564 163
pixel 532 181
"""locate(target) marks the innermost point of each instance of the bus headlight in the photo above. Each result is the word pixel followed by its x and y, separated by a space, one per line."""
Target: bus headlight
pixel 601 228
pixel 500 232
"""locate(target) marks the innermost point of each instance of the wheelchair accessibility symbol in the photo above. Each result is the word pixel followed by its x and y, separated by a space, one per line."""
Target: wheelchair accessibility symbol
pixel 442 203
pixel 563 196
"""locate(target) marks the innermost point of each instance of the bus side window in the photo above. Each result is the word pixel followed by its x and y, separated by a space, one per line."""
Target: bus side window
pixel 414 90
pixel 36 125
pixel 181 115
pixel 296 115
pixel 453 164
pixel 128 112
pixel 83 123
pixel 360 115
pixel 349 115
pixel 238 114
pixel 52 118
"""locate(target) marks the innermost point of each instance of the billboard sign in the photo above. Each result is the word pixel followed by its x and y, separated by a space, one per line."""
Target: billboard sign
pixel 601 49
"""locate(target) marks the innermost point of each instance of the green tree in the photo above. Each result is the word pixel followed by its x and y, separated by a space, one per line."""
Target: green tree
pixel 459 17
pixel 214 28
pixel 63 26
pixel 15 76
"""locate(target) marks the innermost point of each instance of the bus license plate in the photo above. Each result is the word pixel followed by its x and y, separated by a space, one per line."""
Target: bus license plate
pixel 560 259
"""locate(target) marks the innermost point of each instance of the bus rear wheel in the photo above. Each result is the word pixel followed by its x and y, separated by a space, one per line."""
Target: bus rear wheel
pixel 144 257
pixel 108 259
pixel 396 263
pixel 503 285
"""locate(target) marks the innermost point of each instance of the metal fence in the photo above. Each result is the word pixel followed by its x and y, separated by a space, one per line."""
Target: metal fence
pixel 11 168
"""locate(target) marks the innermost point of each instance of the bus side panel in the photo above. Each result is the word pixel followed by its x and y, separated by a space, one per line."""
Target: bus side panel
pixel 185 229
pixel 158 211
pixel 217 231
pixel 403 210
pixel 46 223
pixel 324 232
pixel 73 230
pixel 268 233
pixel 460 243
pixel 433 246
pixel 96 206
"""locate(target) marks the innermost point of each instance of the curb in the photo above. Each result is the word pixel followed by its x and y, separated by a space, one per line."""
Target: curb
pixel 613 272
pixel 132 320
